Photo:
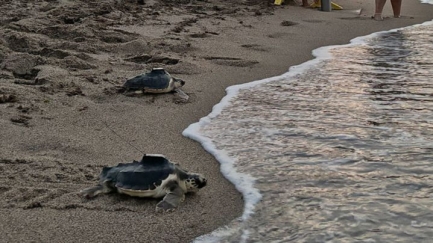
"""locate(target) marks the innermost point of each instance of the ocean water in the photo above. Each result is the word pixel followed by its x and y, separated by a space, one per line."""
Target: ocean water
pixel 338 149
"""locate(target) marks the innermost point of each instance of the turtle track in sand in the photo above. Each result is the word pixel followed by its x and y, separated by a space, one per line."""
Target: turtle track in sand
pixel 54 184
pixel 57 55
pixel 82 39
pixel 37 183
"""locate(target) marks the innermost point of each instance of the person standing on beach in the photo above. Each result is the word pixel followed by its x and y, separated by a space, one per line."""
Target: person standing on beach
pixel 396 7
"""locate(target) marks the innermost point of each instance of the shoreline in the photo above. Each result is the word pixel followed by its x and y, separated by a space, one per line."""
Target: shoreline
pixel 65 135
pixel 246 181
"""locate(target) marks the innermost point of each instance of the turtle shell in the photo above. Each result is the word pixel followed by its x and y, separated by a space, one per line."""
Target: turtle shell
pixel 158 78
pixel 146 174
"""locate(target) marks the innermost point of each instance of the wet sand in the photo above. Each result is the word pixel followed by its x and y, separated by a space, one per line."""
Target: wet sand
pixel 62 118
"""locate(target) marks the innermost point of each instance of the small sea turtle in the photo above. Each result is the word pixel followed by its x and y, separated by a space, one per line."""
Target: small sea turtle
pixel 156 81
pixel 154 176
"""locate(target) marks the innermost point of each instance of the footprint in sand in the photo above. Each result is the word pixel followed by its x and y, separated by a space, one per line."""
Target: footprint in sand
pixel 255 47
pixel 21 120
pixel 231 61
pixel 146 59
pixel 8 98
pixel 289 23
pixel 277 35
pixel 314 21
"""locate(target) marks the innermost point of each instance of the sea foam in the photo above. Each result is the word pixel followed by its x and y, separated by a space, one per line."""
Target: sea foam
pixel 244 183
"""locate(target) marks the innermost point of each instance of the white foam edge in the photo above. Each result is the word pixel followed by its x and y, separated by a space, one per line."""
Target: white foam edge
pixel 427 1
pixel 244 183
pixel 224 231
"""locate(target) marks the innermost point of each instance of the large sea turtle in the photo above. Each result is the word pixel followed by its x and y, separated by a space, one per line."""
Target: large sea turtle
pixel 154 176
pixel 156 81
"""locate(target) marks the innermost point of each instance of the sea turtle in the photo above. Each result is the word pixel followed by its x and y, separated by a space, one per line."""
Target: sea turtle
pixel 154 176
pixel 156 81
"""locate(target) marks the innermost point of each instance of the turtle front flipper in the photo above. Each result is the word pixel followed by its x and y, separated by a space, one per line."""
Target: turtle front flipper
pixel 182 95
pixel 172 200
pixel 92 192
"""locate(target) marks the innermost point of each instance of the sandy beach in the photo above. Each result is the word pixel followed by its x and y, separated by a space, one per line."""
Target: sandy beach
pixel 62 118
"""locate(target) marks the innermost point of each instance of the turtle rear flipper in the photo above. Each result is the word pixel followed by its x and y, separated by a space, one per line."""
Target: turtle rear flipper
pixel 172 200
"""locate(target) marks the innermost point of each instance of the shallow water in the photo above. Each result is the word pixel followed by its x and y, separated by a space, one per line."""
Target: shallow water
pixel 340 152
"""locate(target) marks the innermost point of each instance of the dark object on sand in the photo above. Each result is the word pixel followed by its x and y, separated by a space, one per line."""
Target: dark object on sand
pixel 156 81
pixel 153 176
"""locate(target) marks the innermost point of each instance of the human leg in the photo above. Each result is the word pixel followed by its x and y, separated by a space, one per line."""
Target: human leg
pixel 396 7
pixel 379 8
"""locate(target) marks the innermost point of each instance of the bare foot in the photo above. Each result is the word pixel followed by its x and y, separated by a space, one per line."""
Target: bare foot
pixel 377 17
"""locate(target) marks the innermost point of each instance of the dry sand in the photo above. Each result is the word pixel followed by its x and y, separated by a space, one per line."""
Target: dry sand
pixel 60 62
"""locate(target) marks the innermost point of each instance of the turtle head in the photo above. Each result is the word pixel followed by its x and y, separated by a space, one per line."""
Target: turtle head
pixel 178 82
pixel 194 182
